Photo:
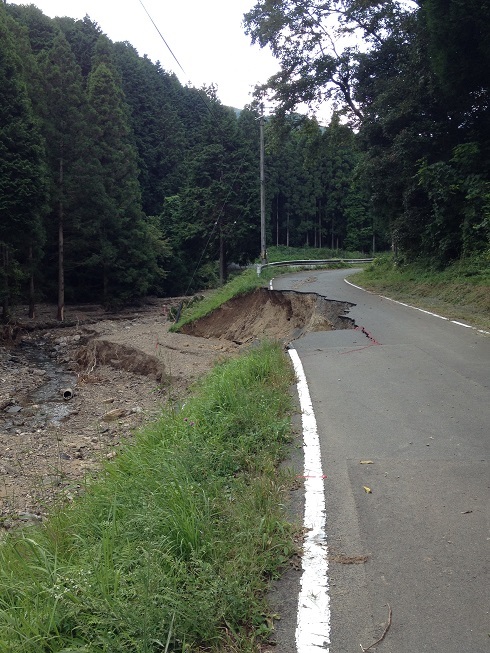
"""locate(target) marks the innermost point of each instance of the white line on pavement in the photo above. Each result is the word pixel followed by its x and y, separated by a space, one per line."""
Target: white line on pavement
pixel 313 623
pixel 416 308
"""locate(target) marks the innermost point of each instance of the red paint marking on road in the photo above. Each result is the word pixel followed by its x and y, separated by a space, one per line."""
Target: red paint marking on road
pixel 367 334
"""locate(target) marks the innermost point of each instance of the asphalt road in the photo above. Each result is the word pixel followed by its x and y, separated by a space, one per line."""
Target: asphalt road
pixel 415 400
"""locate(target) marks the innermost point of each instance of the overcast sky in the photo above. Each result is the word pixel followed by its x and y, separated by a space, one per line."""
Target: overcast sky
pixel 206 37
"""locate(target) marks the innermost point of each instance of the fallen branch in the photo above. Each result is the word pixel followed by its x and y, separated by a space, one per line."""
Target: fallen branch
pixel 382 636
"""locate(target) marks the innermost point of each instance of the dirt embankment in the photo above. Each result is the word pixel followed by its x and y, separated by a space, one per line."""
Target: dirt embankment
pixel 121 369
pixel 280 315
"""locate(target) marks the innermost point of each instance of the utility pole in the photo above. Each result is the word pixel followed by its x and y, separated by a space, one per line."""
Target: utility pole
pixel 263 249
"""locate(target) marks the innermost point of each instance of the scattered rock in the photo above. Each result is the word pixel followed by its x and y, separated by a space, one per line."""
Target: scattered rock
pixel 112 415
pixel 137 369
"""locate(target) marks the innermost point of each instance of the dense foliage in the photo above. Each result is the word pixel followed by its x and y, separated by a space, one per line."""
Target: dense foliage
pixel 174 546
pixel 412 78
pixel 117 181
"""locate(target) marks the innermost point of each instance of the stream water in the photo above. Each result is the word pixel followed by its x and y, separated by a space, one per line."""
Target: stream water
pixel 46 402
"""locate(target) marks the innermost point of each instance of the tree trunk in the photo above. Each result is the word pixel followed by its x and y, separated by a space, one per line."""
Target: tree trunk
pixel 223 268
pixel 319 223
pixel 5 299
pixel 105 284
pixel 32 309
pixel 277 222
pixel 61 252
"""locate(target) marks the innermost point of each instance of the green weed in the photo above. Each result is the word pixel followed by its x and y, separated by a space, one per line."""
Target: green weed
pixel 238 285
pixel 282 253
pixel 171 548
pixel 461 291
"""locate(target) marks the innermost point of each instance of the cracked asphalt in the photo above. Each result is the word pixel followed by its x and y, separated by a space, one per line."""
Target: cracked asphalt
pixel 410 393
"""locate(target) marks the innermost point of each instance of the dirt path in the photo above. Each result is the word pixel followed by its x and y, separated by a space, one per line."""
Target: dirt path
pixel 120 369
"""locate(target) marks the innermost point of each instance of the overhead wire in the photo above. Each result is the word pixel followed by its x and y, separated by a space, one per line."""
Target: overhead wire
pixel 203 97
pixel 162 37
pixel 210 108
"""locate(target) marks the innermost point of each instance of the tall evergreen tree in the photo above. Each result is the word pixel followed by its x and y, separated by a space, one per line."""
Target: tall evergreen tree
pixel 158 130
pixel 127 265
pixel 310 144
pixel 83 36
pixel 248 186
pixel 64 125
pixel 41 29
pixel 283 168
pixel 22 168
pixel 338 161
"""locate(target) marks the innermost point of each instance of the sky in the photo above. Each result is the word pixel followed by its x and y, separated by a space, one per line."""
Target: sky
pixel 205 36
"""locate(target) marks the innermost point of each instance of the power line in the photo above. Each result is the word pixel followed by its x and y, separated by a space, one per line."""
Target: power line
pixel 202 95
pixel 161 36
pixel 204 98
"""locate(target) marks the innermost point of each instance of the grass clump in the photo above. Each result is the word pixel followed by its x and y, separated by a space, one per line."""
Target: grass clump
pixel 239 285
pixel 172 547
pixel 283 253
pixel 248 280
pixel 461 291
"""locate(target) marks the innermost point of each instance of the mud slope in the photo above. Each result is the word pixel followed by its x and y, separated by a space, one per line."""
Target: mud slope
pixel 273 314
pixel 123 370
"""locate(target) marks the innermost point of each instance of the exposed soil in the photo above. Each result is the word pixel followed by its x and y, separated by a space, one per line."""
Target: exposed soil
pixel 119 369
pixel 281 315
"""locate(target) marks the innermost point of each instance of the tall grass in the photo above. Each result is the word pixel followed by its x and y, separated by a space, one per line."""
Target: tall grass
pixel 283 253
pixel 238 285
pixel 461 291
pixel 249 279
pixel 172 547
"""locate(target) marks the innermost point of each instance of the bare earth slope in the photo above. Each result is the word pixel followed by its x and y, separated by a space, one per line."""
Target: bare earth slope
pixel 120 370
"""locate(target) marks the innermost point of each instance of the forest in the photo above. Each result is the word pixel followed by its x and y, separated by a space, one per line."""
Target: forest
pixel 118 182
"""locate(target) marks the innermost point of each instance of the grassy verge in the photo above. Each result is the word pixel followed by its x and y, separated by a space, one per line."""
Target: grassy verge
pixel 461 291
pixel 172 547
pixel 282 253
pixel 239 285
pixel 249 280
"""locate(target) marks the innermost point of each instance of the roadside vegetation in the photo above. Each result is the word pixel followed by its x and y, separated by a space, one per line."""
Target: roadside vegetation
pixel 150 176
pixel 248 280
pixel 238 285
pixel 282 253
pixel 461 291
pixel 173 546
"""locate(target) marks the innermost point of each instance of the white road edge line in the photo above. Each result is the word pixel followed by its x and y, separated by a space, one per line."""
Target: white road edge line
pixel 313 621
pixel 416 308
pixel 313 618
